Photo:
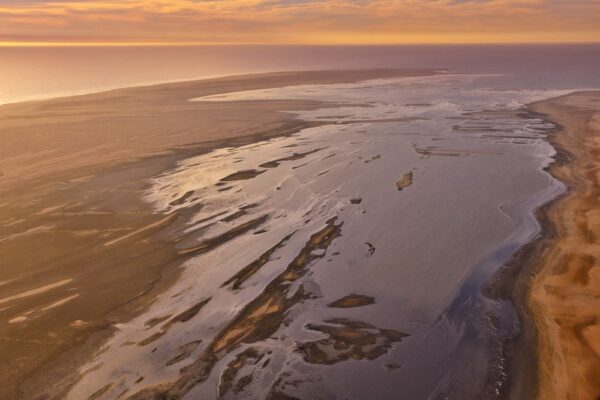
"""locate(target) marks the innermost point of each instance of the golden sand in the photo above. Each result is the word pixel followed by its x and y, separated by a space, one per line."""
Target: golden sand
pixel 565 291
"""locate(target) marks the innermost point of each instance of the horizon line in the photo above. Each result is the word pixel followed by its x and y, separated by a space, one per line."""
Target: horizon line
pixel 192 44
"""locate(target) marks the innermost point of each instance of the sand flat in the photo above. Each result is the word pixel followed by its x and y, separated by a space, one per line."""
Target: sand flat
pixel 44 138
pixel 79 165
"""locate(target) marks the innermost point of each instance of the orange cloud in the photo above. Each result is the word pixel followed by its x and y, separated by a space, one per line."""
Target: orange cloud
pixel 299 21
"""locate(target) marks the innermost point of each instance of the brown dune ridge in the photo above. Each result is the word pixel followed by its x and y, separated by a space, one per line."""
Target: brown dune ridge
pixel 564 292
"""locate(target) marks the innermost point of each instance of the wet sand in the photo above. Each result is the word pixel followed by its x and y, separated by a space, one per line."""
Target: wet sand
pixel 268 315
pixel 81 250
pixel 564 292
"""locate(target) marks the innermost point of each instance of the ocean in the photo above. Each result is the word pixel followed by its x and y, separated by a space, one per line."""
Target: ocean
pixel 36 72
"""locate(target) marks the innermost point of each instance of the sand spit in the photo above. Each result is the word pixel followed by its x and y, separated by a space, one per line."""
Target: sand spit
pixel 565 290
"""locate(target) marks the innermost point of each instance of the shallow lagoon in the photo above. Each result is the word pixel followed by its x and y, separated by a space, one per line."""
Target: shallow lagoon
pixel 475 163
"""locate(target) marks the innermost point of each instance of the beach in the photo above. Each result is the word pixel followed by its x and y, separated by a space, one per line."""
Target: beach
pixel 564 291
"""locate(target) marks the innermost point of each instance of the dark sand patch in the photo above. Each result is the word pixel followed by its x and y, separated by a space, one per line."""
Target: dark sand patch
pixel 374 158
pixel 249 270
pixel 348 340
pixel 155 321
pixel 234 216
pixel 182 199
pixel 185 351
pixel 179 318
pixel 214 242
pixel 353 300
pixel 293 157
pixel 405 182
pixel 426 152
pixel 249 358
pixel 242 175
pixel 371 249
pixel 393 366
pixel 300 166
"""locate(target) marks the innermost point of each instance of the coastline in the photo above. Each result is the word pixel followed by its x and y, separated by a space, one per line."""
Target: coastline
pixel 73 173
pixel 564 294
pixel 553 357
pixel 55 199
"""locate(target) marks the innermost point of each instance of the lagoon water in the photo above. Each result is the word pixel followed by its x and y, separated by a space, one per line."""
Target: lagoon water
pixel 410 193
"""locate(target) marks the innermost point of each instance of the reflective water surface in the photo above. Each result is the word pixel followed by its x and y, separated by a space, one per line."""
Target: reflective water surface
pixel 346 259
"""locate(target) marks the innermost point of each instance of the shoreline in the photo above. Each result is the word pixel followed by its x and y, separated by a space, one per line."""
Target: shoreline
pixel 55 199
pixel 533 366
pixel 563 297
pixel 74 171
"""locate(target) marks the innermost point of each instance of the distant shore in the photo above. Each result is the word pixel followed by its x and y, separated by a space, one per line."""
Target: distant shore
pixel 72 174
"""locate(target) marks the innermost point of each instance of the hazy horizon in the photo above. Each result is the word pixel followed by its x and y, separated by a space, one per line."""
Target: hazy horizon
pixel 32 73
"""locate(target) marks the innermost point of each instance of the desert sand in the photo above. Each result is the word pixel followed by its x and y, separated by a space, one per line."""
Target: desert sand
pixel 72 174
pixel 564 297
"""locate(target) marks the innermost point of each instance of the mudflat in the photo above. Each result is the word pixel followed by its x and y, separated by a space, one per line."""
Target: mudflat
pixel 72 174
pixel 564 297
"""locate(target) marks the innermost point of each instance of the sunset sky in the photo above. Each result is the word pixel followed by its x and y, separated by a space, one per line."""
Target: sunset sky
pixel 25 22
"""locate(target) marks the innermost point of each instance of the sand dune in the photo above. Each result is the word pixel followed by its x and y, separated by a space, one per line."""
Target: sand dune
pixel 565 292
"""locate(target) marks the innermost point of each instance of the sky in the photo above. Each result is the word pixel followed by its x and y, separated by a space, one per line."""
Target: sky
pixel 124 22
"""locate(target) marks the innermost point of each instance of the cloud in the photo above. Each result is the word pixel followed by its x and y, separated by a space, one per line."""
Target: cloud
pixel 301 21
